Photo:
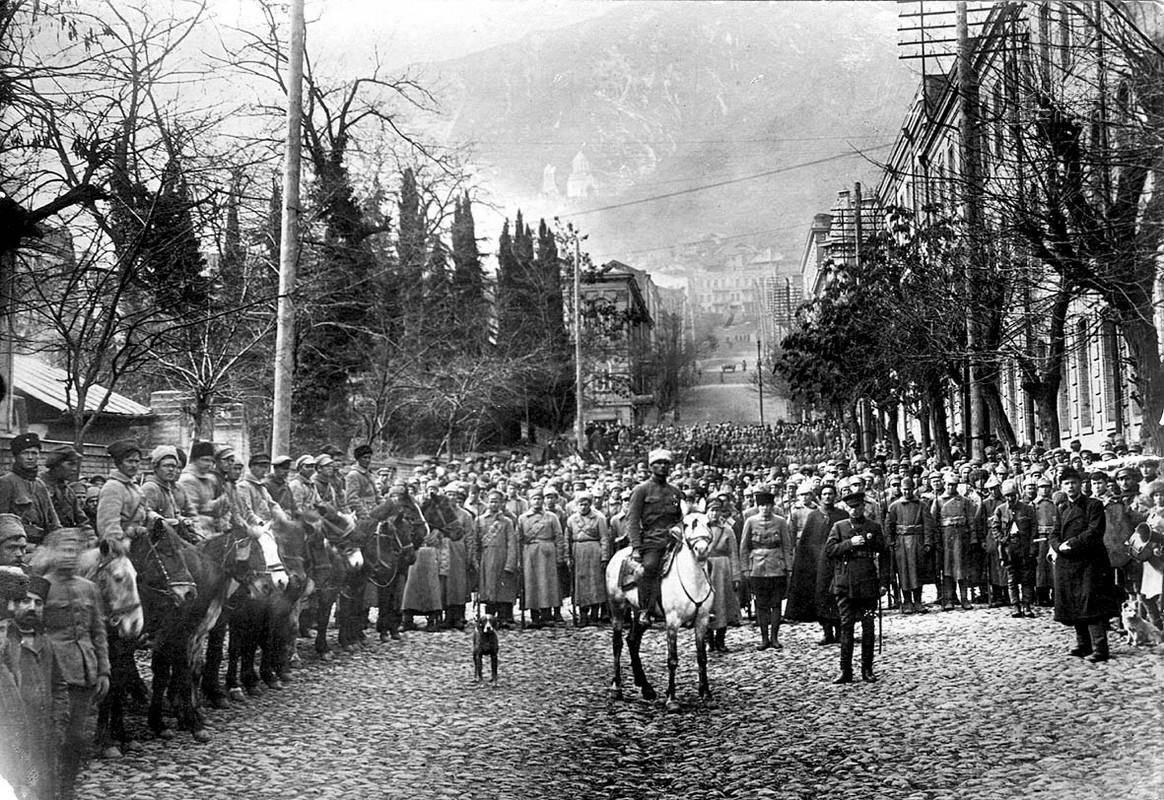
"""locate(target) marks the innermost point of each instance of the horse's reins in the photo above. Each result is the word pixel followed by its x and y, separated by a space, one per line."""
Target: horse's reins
pixel 679 575
pixel 170 582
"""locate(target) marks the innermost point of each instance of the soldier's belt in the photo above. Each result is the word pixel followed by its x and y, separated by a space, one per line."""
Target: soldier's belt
pixel 948 521
pixel 1039 539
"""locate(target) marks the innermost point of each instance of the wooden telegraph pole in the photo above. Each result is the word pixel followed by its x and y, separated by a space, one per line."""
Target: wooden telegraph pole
pixel 289 241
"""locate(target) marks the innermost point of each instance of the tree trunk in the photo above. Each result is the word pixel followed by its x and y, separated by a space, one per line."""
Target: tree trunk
pixel 1140 334
pixel 998 416
pixel 938 420
pixel 1046 402
pixel 923 418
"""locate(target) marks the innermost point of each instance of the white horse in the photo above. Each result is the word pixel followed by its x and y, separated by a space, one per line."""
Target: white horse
pixel 686 594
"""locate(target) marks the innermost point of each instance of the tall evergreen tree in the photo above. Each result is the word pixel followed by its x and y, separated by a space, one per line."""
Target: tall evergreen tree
pixel 439 316
pixel 468 280
pixel 549 272
pixel 410 252
pixel 508 291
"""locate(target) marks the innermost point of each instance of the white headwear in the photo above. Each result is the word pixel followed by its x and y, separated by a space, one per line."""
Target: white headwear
pixel 659 455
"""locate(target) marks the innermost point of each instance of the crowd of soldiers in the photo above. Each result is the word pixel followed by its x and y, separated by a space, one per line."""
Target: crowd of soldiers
pixel 803 530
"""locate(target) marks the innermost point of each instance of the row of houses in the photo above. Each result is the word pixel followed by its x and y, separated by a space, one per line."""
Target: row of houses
pixel 961 153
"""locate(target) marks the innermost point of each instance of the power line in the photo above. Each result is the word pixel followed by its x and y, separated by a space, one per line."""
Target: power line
pixel 708 240
pixel 728 182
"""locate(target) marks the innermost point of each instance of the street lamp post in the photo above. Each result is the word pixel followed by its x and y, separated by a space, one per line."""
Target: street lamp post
pixel 578 421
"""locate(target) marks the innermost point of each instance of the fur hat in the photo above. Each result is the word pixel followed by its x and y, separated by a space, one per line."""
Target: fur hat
pixel 201 450
pixel 121 449
pixel 38 586
pixel 11 527
pixel 25 441
pixel 164 451
pixel 363 450
pixel 13 583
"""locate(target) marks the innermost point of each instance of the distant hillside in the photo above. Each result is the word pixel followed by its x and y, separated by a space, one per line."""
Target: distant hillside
pixel 664 96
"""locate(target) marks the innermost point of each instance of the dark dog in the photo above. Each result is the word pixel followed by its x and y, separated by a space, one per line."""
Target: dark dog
pixel 485 643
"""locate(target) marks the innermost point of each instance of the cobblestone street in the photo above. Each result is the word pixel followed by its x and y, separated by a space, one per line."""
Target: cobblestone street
pixel 969 704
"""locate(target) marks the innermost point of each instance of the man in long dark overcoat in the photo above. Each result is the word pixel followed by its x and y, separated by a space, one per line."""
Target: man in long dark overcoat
pixel 1085 595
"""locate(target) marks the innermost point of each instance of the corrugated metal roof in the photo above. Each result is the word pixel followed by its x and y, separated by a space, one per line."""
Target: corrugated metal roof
pixel 47 383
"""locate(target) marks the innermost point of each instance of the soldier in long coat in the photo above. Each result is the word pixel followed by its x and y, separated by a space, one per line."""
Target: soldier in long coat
pixel 852 548
pixel 810 596
pixel 456 559
pixel 1085 594
pixel 26 673
pixel 498 557
pixel 957 517
pixel 543 549
pixel 724 568
pixel 589 542
pixel 1046 527
pixel 909 526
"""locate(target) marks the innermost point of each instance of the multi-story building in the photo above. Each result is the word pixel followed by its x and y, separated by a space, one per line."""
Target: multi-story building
pixel 621 303
pixel 964 154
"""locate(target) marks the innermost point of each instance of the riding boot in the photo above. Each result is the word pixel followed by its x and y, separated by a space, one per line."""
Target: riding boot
pixel 918 607
pixel 720 638
pixel 1082 647
pixel 1098 633
pixel 762 621
pixel 948 590
pixel 830 634
pixel 846 675
pixel 867 651
pixel 964 592
pixel 776 619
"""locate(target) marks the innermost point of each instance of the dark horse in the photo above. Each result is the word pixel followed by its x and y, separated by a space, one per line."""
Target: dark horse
pixel 251 620
pixel 333 551
pixel 390 536
pixel 218 566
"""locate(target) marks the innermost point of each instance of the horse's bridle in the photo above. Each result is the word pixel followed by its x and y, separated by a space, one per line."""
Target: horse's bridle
pixel 115 614
pixel 171 584
pixel 379 562
pixel 687 543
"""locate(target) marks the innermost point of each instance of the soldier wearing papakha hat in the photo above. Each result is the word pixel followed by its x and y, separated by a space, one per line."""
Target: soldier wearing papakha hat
pixel 24 494
pixel 62 469
pixel 13 541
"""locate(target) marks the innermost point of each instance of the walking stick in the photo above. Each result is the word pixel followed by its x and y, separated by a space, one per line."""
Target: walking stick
pixel 880 627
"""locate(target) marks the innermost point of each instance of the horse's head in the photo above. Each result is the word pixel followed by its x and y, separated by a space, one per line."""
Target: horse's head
pixel 116 579
pixel 272 568
pixel 409 519
pixel 158 557
pixel 697 535
pixel 439 512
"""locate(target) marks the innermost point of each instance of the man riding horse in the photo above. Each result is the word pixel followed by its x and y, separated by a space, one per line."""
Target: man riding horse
pixel 653 511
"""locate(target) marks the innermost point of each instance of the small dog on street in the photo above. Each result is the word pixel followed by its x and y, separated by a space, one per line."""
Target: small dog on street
pixel 1139 630
pixel 485 644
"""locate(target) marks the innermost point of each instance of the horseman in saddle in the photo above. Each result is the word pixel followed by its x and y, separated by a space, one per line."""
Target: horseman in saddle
pixel 653 513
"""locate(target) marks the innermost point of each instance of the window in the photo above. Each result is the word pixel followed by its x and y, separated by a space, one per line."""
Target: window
pixel 1083 374
pixel 1109 348
pixel 999 122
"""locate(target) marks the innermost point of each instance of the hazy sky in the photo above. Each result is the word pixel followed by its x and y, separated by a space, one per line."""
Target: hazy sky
pixel 408 31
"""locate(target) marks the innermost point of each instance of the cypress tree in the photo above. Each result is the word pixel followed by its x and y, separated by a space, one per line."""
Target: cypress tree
pixel 468 279
pixel 410 252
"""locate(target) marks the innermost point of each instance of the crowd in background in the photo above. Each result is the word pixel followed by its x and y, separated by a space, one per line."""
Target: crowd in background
pixel 1027 528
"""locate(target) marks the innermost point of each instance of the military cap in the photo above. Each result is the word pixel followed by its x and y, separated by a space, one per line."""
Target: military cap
pixel 60 455
pixel 281 461
pixel 323 459
pixel 305 461
pixel 223 451
pixel 1069 474
pixel 764 497
pixel 1131 471
pixel 853 498
pixel 659 454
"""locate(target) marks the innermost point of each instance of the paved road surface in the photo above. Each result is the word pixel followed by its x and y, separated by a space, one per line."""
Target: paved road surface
pixel 969 705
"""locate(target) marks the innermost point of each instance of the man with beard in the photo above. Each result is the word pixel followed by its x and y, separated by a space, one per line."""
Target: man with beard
pixel 910 528
pixel 26 672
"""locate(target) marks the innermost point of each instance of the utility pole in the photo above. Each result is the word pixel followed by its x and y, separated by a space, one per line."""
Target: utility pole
pixel 972 215
pixel 579 424
pixel 288 241
pixel 760 376
pixel 868 434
